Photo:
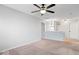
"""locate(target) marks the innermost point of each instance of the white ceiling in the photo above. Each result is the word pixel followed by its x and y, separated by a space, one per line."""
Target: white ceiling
pixel 61 10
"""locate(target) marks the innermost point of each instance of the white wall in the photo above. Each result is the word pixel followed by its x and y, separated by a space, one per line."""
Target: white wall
pixel 17 28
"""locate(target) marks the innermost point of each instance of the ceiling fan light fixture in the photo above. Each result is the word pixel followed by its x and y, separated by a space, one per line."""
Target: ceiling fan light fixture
pixel 42 11
pixel 43 8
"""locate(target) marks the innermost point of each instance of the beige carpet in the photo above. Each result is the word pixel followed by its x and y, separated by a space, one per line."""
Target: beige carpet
pixel 45 47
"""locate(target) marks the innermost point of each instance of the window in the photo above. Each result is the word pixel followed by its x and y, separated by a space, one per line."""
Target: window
pixel 50 25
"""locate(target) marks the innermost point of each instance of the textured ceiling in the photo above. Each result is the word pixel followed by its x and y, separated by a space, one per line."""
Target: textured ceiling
pixel 61 10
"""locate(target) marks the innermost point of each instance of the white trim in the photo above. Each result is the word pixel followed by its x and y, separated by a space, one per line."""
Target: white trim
pixel 20 45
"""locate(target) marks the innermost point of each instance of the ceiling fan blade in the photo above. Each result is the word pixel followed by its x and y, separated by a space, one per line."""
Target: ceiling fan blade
pixel 50 6
pixel 36 5
pixel 35 11
pixel 43 5
pixel 50 11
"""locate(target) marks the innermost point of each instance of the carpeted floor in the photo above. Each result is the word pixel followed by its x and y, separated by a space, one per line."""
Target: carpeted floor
pixel 45 47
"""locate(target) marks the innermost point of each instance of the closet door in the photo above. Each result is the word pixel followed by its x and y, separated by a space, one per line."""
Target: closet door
pixel 74 30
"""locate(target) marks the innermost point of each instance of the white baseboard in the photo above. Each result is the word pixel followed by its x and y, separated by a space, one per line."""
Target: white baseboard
pixel 29 42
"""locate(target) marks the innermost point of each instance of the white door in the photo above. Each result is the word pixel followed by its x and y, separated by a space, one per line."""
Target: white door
pixel 74 30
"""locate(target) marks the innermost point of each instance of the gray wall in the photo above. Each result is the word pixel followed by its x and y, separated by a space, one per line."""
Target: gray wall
pixel 17 28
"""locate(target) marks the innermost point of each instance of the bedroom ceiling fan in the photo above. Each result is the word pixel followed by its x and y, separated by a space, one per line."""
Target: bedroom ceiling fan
pixel 43 9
